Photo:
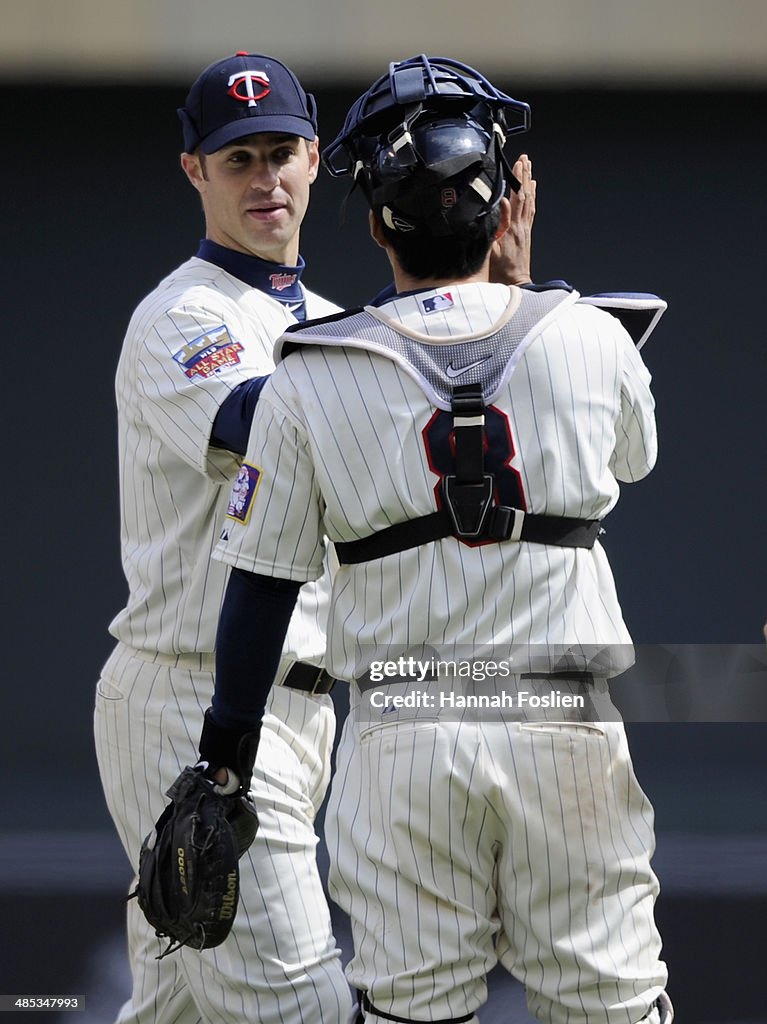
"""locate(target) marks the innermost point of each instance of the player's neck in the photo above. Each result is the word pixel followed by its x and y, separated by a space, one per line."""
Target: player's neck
pixel 407 283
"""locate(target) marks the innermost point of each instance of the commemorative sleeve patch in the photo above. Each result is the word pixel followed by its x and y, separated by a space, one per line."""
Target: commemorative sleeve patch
pixel 209 353
pixel 243 492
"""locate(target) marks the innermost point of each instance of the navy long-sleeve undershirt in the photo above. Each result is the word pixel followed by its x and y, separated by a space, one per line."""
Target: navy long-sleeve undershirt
pixel 231 427
pixel 251 630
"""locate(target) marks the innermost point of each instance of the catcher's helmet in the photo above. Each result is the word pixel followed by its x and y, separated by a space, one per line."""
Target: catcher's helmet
pixel 426 144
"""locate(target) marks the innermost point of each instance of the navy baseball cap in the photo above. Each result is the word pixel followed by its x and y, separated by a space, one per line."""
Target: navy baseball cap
pixel 241 95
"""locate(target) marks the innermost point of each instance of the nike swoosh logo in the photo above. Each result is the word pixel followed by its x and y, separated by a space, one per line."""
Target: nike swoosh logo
pixel 456 371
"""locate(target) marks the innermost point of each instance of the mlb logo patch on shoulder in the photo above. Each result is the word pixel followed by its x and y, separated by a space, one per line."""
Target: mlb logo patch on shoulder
pixel 243 492
pixel 436 303
pixel 209 353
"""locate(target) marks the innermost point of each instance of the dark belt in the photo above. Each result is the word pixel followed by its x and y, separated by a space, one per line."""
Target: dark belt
pixel 565 675
pixel 569 675
pixel 309 678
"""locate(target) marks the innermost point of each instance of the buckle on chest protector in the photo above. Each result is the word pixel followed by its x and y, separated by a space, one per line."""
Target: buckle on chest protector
pixel 468 493
pixel 468 504
pixel 506 523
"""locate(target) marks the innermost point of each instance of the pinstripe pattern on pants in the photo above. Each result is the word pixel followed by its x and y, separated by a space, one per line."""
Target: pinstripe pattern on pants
pixel 296 975
pixel 456 844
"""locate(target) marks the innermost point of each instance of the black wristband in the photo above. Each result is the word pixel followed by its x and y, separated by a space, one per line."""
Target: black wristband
pixel 229 748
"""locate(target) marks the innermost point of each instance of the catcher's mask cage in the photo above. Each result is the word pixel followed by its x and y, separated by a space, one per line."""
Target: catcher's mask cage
pixel 426 144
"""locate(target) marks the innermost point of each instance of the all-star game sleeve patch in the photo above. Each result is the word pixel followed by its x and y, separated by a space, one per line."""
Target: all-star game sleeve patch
pixel 209 353
pixel 243 492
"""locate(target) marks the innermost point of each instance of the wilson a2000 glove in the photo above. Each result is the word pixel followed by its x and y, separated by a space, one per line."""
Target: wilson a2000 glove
pixel 188 878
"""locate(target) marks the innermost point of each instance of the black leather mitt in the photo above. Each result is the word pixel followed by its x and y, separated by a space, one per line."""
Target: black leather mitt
pixel 188 879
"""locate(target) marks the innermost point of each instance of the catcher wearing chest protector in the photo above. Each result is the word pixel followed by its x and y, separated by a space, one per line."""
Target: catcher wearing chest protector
pixel 513 415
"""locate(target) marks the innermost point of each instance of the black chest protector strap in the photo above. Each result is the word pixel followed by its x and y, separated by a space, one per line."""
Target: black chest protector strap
pixel 468 508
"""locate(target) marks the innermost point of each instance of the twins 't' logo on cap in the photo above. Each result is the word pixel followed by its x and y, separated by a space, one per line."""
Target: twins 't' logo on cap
pixel 255 84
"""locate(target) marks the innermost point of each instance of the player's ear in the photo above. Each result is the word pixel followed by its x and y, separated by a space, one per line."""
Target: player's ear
pixel 505 220
pixel 192 167
pixel 314 159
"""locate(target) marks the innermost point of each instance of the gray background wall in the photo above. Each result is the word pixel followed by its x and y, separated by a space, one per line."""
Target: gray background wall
pixel 651 181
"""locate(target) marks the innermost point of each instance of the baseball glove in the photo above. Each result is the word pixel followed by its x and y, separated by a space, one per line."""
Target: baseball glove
pixel 188 878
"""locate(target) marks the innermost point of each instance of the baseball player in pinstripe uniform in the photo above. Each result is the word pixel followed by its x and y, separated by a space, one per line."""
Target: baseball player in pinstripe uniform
pixel 194 358
pixel 460 445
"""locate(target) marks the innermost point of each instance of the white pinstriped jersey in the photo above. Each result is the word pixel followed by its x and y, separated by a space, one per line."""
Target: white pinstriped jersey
pixel 347 441
pixel 190 342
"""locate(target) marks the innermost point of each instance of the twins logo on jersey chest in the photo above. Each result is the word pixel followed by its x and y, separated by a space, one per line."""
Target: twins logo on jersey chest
pixel 206 355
